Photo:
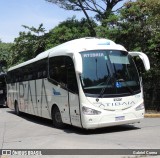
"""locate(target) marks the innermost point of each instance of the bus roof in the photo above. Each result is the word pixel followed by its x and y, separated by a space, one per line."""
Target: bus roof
pixel 74 46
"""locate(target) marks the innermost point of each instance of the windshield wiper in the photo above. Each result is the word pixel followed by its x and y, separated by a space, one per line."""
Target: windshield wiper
pixel 107 81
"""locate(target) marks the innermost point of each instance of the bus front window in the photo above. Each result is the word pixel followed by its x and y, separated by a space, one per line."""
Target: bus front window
pixel 109 73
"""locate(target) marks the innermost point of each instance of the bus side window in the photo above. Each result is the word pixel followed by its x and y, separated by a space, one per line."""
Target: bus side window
pixel 57 70
pixel 42 69
pixel 9 77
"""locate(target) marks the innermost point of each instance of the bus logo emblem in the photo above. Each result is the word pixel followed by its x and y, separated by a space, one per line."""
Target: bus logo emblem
pixel 117 99
pixel 56 92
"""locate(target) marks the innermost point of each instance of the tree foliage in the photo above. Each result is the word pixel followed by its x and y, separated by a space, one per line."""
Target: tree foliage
pixel 4 55
pixel 102 9
pixel 28 44
pixel 68 30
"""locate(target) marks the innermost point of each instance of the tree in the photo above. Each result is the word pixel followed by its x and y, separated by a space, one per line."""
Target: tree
pixel 111 28
pixel 4 55
pixel 68 30
pixel 102 9
pixel 28 44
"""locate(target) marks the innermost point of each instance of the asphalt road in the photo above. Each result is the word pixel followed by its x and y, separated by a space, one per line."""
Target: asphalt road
pixel 30 132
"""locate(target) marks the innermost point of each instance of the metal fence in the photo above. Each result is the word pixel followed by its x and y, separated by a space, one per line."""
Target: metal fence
pixel 152 105
pixel 152 100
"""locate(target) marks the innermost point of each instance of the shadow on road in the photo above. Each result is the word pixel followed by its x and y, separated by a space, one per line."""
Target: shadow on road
pixel 3 106
pixel 76 130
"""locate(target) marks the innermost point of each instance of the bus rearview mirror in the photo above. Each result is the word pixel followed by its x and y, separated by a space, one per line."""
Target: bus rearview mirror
pixel 143 57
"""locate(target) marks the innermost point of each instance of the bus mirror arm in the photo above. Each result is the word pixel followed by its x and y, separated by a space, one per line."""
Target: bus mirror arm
pixel 143 57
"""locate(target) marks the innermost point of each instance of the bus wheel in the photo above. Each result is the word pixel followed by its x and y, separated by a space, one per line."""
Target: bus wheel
pixel 56 118
pixel 17 109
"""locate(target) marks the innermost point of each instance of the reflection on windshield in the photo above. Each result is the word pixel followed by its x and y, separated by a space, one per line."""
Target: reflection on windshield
pixel 108 73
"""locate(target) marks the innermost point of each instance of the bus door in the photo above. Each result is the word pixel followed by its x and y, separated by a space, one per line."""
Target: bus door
pixel 58 80
pixel 73 97
pixel 61 72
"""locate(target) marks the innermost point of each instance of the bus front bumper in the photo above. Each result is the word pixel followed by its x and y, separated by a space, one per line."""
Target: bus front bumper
pixel 92 122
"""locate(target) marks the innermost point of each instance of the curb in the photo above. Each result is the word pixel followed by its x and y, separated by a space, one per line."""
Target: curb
pixel 152 115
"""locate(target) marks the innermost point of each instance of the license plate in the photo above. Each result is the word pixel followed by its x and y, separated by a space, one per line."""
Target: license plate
pixel 1 91
pixel 119 118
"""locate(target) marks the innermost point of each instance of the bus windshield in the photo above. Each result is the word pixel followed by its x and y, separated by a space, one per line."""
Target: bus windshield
pixel 109 73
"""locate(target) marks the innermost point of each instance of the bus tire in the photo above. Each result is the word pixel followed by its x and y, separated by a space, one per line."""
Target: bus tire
pixel 56 118
pixel 17 109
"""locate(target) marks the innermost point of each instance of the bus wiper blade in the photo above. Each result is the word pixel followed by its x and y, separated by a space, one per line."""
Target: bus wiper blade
pixel 128 87
pixel 107 81
pixel 103 89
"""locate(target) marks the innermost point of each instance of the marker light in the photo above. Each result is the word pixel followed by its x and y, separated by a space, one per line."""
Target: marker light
pixel 89 111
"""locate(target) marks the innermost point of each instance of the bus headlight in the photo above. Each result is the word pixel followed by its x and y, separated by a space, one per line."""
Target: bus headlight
pixel 89 111
pixel 140 107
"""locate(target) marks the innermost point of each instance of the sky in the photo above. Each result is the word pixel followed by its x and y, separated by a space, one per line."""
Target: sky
pixel 15 13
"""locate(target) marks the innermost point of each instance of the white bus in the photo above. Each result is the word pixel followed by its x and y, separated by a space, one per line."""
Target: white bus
pixel 89 83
